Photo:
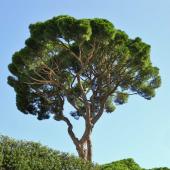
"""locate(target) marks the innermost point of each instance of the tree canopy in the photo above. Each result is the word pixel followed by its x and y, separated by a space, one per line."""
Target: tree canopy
pixel 86 62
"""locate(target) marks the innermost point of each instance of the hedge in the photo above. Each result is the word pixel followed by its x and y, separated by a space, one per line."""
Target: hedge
pixel 21 155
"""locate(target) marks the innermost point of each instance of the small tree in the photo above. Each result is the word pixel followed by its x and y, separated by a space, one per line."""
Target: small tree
pixel 87 63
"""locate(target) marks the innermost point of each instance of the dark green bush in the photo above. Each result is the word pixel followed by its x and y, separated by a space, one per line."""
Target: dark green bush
pixel 20 155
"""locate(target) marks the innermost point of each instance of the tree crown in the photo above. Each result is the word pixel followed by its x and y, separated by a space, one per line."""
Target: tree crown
pixel 82 61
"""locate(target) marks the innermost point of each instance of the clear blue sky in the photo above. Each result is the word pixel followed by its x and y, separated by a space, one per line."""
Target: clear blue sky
pixel 140 129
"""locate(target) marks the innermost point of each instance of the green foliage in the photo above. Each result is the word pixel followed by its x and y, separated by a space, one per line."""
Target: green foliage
pixel 126 164
pixel 102 30
pixel 164 168
pixel 109 105
pixel 20 155
pixel 108 62
pixel 121 98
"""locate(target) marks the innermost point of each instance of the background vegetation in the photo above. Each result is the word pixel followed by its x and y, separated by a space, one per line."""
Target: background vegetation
pixel 22 155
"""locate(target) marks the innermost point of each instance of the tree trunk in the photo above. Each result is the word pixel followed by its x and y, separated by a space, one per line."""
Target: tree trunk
pixel 85 150
pixel 83 145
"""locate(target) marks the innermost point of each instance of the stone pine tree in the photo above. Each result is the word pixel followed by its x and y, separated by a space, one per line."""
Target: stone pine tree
pixel 85 62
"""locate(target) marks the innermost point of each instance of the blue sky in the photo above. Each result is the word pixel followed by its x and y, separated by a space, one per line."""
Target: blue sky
pixel 140 129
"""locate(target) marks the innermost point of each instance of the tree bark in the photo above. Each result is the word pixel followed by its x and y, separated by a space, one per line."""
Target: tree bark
pixel 83 145
pixel 85 150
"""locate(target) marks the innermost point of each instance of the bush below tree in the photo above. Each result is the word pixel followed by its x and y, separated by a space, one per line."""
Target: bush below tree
pixel 22 155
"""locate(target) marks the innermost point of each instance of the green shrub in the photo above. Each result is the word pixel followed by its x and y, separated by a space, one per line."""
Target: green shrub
pixel 20 155
pixel 126 164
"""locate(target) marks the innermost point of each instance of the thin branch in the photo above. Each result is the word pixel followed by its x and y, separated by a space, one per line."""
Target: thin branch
pixel 76 107
pixel 88 127
pixel 132 93
pixel 67 48
pixel 99 114
pixel 91 55
pixel 70 130
pixel 81 88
